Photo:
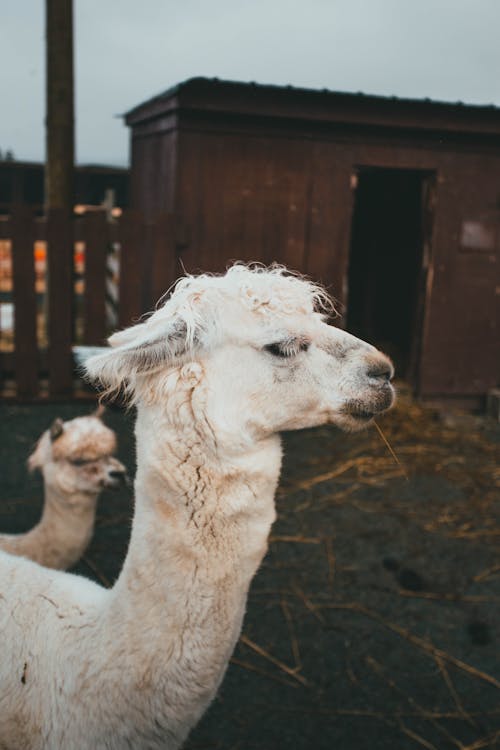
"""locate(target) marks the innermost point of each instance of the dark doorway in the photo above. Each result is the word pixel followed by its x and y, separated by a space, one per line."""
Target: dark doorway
pixel 385 296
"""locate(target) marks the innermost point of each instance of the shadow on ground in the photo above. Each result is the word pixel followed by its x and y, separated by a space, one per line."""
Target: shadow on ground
pixel 374 621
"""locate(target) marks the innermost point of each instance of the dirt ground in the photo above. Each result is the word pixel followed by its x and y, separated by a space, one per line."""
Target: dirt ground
pixel 374 621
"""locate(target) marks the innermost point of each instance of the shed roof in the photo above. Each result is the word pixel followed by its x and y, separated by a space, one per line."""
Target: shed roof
pixel 19 164
pixel 212 95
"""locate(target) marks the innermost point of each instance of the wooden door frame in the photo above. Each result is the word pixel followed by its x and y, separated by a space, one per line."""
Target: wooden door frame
pixel 421 309
pixel 421 318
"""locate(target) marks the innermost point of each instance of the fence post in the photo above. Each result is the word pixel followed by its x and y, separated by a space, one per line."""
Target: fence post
pixel 24 299
pixel 60 251
pixel 96 246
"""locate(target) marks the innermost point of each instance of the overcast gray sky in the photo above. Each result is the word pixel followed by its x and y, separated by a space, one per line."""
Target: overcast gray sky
pixel 128 51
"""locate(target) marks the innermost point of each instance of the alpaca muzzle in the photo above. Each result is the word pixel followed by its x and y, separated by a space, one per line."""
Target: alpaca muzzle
pixel 117 477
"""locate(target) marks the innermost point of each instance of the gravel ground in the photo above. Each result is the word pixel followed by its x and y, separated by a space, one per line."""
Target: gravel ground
pixel 373 622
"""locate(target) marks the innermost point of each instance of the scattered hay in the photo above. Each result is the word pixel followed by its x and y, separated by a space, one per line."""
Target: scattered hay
pixel 416 441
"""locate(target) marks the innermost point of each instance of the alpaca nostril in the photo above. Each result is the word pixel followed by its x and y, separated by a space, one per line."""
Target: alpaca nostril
pixel 116 474
pixel 382 371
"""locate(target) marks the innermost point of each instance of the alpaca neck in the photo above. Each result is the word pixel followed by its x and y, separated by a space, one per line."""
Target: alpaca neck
pixel 200 531
pixel 63 532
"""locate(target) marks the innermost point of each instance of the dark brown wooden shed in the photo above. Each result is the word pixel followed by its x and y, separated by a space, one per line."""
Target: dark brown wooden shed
pixel 394 204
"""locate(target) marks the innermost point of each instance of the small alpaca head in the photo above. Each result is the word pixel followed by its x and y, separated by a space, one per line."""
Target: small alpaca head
pixel 254 352
pixel 76 457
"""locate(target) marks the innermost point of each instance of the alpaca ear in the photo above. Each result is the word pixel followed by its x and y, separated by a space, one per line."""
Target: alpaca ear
pixel 35 459
pixel 56 429
pixel 99 412
pixel 142 349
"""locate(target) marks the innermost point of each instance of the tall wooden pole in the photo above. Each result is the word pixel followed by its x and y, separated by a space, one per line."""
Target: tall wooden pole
pixel 59 188
pixel 59 194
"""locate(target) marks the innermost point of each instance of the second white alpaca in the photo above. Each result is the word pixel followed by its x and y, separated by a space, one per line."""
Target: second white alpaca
pixel 216 373
pixel 75 458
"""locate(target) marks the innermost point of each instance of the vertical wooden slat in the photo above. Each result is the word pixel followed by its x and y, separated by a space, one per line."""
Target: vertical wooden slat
pixel 94 311
pixel 147 252
pixel 5 231
pixel 24 298
pixel 164 260
pixel 131 267
pixel 60 307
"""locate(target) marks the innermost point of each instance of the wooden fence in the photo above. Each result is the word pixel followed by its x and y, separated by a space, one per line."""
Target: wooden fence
pixel 72 281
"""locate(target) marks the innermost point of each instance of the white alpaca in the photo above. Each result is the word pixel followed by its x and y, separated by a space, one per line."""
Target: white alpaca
pixel 216 373
pixel 76 462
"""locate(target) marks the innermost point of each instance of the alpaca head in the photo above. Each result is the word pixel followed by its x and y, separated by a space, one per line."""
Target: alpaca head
pixel 254 353
pixel 75 457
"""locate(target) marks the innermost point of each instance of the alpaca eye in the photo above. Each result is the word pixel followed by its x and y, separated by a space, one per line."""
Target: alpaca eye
pixel 287 348
pixel 277 350
pixel 79 461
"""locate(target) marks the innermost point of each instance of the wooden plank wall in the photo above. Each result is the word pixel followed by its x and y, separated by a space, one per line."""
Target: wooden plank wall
pixel 261 196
